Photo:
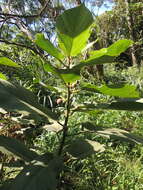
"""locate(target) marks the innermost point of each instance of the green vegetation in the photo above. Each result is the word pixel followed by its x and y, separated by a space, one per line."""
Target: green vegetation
pixel 62 125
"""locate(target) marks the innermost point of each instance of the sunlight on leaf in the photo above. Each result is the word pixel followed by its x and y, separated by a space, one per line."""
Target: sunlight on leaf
pixel 73 27
pixel 8 62
pixel 120 90
pixel 47 46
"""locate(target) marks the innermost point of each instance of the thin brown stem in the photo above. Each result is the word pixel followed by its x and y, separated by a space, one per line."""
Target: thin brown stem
pixel 68 107
pixel 65 126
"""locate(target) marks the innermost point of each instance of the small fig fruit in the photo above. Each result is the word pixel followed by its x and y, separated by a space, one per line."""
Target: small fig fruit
pixel 59 101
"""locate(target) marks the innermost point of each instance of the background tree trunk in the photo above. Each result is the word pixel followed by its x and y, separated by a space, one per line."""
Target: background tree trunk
pixel 130 24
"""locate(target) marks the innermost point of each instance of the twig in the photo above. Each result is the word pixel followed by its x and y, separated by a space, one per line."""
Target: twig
pixel 18 44
pixel 65 126
pixel 26 16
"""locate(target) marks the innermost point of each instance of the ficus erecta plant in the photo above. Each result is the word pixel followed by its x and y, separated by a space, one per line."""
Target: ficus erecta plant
pixel 42 172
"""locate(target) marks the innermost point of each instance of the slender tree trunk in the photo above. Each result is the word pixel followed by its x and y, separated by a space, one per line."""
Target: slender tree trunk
pixel 131 31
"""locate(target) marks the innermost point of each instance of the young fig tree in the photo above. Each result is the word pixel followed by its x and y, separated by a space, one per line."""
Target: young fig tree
pixel 73 27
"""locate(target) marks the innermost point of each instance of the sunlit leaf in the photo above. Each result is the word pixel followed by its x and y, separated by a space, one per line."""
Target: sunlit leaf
pixel 107 55
pixel 2 76
pixel 8 62
pixel 47 46
pixel 124 91
pixel 73 27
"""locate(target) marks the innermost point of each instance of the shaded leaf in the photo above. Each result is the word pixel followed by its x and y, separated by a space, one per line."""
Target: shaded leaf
pixel 129 104
pixel 20 100
pixel 8 62
pixel 73 27
pixel 38 176
pixel 82 148
pixel 125 91
pixel 105 55
pixel 47 46
pixel 126 104
pixel 113 133
pixel 14 147
pixel 51 88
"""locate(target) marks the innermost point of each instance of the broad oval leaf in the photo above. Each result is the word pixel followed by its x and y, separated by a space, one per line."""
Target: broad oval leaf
pixel 108 54
pixel 47 46
pixel 120 90
pixel 14 147
pixel 113 50
pixel 73 27
pixel 81 148
pixel 127 104
pixel 113 133
pixel 20 100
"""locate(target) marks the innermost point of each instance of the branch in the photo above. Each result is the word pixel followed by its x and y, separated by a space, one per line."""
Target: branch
pixel 20 45
pixel 26 16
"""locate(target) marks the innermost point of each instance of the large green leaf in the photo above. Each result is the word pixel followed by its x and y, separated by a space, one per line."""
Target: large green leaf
pixel 14 147
pixel 39 176
pixel 124 91
pixel 126 104
pixel 106 55
pixel 47 46
pixel 81 148
pixel 113 50
pixel 8 62
pixel 113 133
pixel 73 27
pixel 20 100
